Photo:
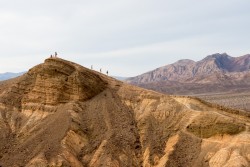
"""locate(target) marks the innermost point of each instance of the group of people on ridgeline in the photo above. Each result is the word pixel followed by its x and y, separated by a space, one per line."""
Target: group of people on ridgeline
pixel 51 56
pixel 107 72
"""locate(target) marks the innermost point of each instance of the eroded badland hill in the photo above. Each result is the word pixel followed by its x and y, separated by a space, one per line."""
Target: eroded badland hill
pixel 62 114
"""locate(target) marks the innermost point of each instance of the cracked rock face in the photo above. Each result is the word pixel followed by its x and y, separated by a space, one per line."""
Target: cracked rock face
pixel 62 114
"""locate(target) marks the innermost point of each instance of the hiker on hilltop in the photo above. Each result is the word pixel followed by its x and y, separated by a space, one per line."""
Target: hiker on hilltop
pixel 55 54
pixel 107 72
pixel 100 70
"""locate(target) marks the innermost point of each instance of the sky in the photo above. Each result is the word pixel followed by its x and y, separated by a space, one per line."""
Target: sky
pixel 125 37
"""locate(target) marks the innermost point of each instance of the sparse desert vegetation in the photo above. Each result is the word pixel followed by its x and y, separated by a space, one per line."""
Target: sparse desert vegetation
pixel 232 100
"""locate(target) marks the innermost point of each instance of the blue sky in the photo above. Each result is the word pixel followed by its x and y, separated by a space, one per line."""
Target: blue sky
pixel 126 37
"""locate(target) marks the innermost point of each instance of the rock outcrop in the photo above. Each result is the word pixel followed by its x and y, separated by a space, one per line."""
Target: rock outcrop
pixel 62 114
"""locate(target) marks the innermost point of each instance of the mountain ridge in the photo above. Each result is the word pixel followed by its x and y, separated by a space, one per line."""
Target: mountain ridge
pixel 214 69
pixel 9 75
pixel 62 114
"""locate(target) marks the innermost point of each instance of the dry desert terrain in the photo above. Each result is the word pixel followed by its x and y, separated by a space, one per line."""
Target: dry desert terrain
pixel 62 114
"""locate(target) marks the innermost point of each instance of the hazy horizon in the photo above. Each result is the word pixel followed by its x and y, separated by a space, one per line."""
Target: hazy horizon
pixel 127 38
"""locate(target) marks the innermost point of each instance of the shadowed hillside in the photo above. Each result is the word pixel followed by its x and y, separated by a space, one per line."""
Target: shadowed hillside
pixel 62 114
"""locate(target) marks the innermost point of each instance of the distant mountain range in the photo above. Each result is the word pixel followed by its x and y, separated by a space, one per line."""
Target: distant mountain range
pixel 120 78
pixel 9 75
pixel 215 73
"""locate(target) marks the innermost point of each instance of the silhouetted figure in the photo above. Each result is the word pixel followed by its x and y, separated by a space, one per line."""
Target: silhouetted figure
pixel 107 72
pixel 51 56
pixel 55 54
pixel 100 69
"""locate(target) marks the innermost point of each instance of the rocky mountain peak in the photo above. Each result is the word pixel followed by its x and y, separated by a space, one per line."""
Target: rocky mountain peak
pixel 184 62
pixel 218 56
pixel 222 61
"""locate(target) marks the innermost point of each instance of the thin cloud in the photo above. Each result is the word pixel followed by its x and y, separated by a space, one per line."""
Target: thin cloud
pixel 117 34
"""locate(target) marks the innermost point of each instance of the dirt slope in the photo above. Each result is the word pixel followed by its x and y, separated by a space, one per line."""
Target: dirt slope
pixel 62 114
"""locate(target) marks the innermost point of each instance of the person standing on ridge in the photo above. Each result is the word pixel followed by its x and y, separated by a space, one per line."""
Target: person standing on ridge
pixel 107 72
pixel 55 54
pixel 100 70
